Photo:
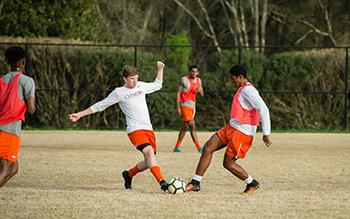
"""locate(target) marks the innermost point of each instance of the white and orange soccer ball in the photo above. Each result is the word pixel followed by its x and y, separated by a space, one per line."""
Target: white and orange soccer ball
pixel 176 185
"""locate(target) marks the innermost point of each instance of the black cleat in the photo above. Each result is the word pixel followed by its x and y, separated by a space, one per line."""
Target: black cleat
pixel 251 187
pixel 127 179
pixel 193 186
pixel 164 185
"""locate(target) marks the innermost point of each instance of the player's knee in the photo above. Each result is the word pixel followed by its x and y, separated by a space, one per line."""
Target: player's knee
pixel 150 162
pixel 191 124
pixel 226 164
pixel 14 170
pixel 208 148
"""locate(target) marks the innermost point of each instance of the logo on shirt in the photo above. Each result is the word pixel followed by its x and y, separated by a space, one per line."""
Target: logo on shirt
pixel 137 93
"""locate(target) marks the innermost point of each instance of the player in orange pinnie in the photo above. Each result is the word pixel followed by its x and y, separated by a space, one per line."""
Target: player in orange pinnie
pixel 189 86
pixel 17 95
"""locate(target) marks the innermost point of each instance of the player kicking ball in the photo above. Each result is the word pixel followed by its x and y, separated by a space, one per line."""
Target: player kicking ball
pixel 247 109
pixel 132 100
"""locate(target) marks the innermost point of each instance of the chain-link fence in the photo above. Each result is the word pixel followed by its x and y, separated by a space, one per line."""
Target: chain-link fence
pixel 304 87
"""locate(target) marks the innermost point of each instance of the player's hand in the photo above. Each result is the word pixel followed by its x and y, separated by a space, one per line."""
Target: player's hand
pixel 74 117
pixel 178 111
pixel 267 141
pixel 160 65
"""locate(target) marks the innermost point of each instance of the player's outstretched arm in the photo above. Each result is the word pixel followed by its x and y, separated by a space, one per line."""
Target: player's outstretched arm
pixel 160 70
pixel 76 116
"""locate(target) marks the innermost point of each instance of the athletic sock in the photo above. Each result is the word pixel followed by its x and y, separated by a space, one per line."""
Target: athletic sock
pixel 197 144
pixel 156 173
pixel 249 180
pixel 178 144
pixel 197 177
pixel 133 171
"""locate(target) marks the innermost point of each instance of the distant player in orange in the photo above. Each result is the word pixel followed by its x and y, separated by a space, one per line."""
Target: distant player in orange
pixel 17 95
pixel 132 100
pixel 247 110
pixel 189 86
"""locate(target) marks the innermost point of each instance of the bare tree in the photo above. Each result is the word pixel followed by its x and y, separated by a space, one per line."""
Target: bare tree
pixel 210 33
pixel 241 26
pixel 314 29
pixel 127 21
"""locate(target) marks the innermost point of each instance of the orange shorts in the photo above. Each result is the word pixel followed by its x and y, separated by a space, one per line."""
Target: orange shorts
pixel 9 146
pixel 143 138
pixel 237 142
pixel 187 113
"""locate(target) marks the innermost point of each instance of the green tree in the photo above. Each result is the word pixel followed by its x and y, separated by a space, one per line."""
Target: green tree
pixel 57 18
pixel 179 56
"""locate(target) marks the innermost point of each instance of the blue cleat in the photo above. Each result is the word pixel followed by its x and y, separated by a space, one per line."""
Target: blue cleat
pixel 200 150
pixel 177 150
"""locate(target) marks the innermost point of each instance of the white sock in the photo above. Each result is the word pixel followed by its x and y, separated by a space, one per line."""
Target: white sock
pixel 197 177
pixel 249 179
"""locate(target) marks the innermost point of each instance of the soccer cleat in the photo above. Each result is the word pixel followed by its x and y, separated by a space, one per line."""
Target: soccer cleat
pixel 163 185
pixel 200 150
pixel 251 187
pixel 177 150
pixel 127 179
pixel 193 186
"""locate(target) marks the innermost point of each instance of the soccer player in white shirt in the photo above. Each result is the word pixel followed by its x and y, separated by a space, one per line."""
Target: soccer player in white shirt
pixel 132 100
pixel 247 110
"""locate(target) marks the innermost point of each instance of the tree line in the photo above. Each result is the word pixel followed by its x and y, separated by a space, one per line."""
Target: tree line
pixel 216 22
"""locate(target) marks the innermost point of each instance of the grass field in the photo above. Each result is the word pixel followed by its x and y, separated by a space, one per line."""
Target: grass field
pixel 77 174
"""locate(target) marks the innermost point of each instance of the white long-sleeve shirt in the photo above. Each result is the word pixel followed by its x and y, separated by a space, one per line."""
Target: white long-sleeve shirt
pixel 249 98
pixel 133 104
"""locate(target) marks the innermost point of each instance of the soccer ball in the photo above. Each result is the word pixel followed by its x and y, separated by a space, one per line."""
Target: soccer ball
pixel 176 185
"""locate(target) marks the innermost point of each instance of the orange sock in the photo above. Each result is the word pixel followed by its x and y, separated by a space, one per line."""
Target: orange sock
pixel 156 173
pixel 197 144
pixel 178 144
pixel 133 171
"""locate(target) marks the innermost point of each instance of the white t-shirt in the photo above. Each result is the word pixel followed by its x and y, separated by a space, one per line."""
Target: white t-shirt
pixel 133 104
pixel 249 98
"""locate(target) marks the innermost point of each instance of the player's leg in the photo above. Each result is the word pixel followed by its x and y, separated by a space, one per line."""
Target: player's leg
pixel 231 165
pixel 181 136
pixel 7 170
pixel 192 127
pixel 212 145
pixel 237 148
pixel 129 174
pixel 9 148
pixel 151 161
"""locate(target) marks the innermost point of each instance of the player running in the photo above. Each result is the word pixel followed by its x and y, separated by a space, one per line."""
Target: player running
pixel 132 100
pixel 247 109
pixel 189 86
pixel 17 95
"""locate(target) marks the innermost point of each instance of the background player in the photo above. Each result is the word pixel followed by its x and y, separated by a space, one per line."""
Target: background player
pixel 17 95
pixel 132 100
pixel 246 111
pixel 189 86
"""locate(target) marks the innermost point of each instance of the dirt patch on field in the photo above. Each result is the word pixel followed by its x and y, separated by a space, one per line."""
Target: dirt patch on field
pixel 77 174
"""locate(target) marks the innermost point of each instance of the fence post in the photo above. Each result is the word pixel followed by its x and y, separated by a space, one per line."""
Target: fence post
pixel 346 89
pixel 135 56
pixel 26 67
pixel 239 54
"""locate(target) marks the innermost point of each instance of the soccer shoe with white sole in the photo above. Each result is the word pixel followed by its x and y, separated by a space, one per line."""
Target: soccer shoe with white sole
pixel 251 187
pixel 127 179
pixel 193 186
